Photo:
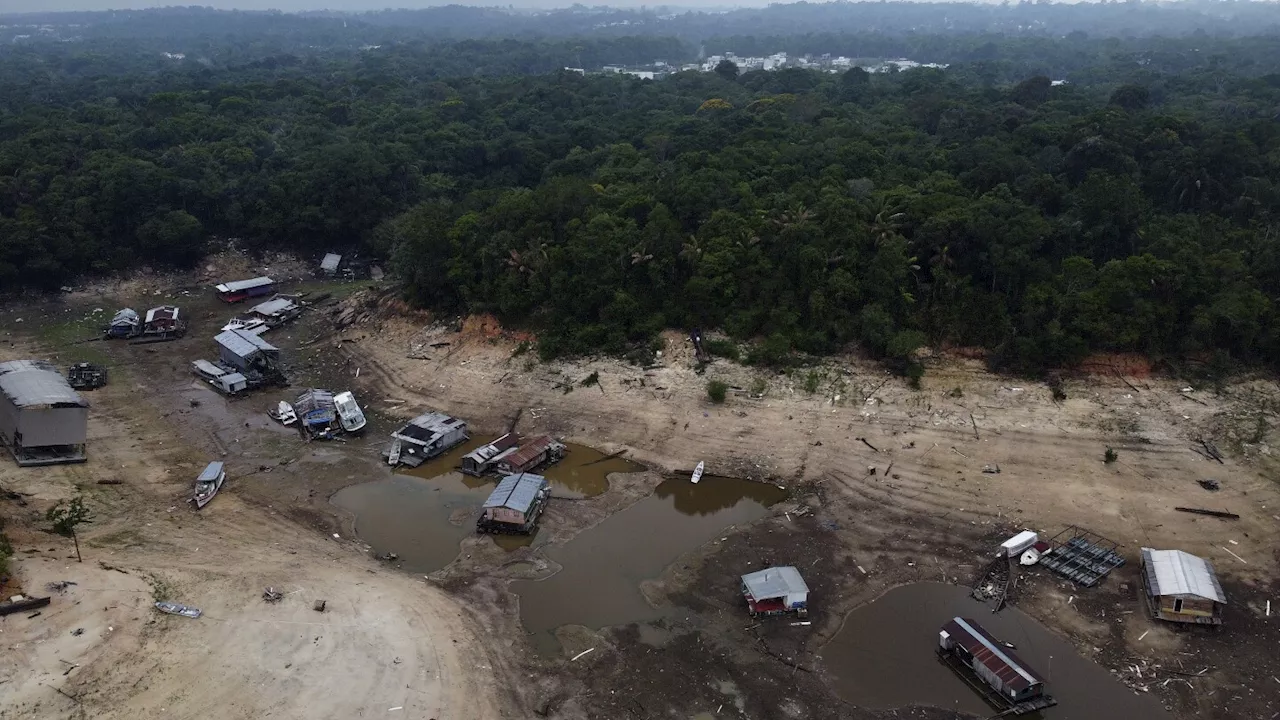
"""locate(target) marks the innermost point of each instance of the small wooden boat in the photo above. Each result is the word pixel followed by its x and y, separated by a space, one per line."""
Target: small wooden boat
pixel 349 413
pixel 209 483
pixel 697 472
pixel 284 413
pixel 393 457
pixel 176 609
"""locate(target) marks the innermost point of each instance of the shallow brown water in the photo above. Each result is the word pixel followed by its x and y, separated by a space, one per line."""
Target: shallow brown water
pixel 884 657
pixel 604 566
pixel 409 512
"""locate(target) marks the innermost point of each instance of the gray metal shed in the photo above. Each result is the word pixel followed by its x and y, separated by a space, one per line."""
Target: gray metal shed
pixel 244 350
pixel 42 419
pixel 777 582
pixel 330 263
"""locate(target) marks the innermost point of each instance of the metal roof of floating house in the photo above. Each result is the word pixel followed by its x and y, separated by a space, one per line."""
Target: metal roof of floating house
pixel 985 649
pixel 274 306
pixel 774 582
pixel 243 344
pixel 36 383
pixel 127 316
pixel 529 451
pixel 161 313
pixel 429 426
pixel 238 285
pixel 1174 572
pixel 330 262
pixel 517 492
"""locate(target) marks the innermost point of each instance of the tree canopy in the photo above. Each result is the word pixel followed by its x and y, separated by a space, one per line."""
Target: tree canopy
pixel 1099 195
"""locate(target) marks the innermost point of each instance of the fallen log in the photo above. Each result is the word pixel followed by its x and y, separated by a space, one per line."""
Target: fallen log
pixel 1212 513
pixel 864 442
pixel 29 604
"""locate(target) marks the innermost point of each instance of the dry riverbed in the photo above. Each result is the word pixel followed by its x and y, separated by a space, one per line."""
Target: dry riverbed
pixel 451 645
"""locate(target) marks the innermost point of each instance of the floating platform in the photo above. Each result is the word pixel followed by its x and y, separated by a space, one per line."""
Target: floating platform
pixel 993 698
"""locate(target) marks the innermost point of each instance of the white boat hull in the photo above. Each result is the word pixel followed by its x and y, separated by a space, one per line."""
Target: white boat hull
pixel 697 473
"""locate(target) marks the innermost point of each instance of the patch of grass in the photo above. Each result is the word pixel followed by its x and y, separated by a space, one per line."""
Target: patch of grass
pixel 956 392
pixel 723 348
pixel 524 347
pixel 339 289
pixel 1110 456
pixel 716 391
pixel 6 552
pixel 590 380
pixel 811 381
pixel 758 387
pixel 160 589
pixel 119 539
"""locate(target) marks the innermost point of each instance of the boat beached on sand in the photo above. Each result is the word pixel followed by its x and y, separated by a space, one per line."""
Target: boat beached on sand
pixel 208 484
pixel 349 413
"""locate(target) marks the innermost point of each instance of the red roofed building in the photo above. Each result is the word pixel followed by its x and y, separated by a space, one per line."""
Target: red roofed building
pixel 993 662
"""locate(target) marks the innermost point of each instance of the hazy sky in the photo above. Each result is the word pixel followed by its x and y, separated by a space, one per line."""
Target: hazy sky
pixel 295 5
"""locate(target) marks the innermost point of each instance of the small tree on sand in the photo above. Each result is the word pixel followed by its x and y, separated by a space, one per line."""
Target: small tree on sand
pixel 66 515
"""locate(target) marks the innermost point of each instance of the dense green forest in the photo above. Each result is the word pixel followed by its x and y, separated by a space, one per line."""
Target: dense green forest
pixel 1131 208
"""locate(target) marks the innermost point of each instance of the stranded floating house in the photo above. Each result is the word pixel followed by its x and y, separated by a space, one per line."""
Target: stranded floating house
pixel 425 437
pixel 1180 587
pixel 239 290
pixel 513 508
pixel 42 419
pixel 991 668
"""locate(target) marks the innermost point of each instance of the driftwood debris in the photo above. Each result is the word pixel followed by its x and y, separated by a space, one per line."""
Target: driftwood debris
pixel 1211 513
pixel 1212 451
pixel 319 605
pixel 610 456
pixel 864 442
pixel 27 604
pixel 111 482
pixel 976 436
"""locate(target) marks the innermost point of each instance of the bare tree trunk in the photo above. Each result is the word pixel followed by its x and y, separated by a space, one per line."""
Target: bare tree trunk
pixel 76 539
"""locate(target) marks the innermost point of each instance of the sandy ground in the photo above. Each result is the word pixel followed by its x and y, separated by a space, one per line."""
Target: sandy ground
pixel 386 641
pixel 928 512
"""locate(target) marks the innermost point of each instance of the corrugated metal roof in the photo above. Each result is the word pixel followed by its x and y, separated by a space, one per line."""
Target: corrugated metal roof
pixel 984 648
pixel 531 449
pixel 774 582
pixel 243 343
pixel 238 285
pixel 314 399
pixel 211 472
pixel 163 312
pixel 427 427
pixel 1174 572
pixel 517 492
pixel 126 316
pixel 31 383
pixel 330 262
pixel 485 453
pixel 271 307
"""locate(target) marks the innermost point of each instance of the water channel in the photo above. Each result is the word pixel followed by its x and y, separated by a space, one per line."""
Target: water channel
pixel 883 657
pixel 604 566
pixel 413 512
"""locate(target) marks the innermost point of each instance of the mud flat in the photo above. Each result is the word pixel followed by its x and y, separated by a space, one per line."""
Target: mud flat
pixel 884 657
pixel 604 567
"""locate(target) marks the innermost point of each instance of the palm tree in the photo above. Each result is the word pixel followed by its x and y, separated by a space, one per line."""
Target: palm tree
pixel 530 260
pixel 691 250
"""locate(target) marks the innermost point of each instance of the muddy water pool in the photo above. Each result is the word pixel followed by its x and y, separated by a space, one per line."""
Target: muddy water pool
pixel 599 585
pixel 413 512
pixel 883 657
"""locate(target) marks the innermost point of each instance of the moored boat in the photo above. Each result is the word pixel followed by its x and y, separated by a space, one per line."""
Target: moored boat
pixel 393 455
pixel 697 472
pixel 209 483
pixel 284 413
